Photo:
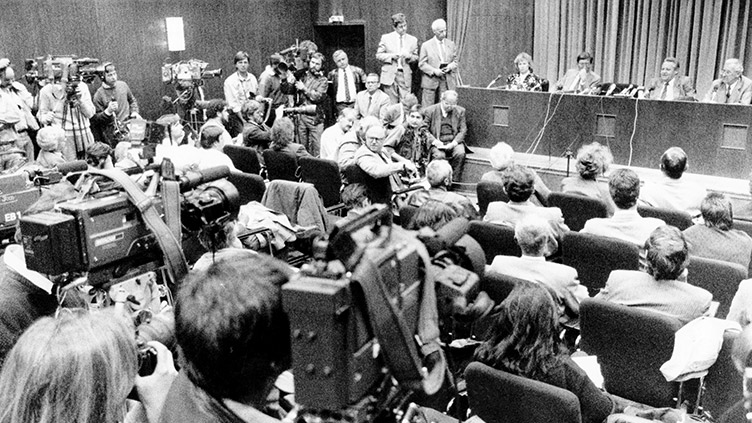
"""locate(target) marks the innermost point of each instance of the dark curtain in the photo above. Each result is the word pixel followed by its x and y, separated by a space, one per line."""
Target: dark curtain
pixel 630 38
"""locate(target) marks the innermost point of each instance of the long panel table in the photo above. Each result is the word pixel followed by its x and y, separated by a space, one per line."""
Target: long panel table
pixel 716 137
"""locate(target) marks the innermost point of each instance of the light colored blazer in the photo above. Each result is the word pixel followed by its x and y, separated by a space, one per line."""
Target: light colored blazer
pixel 682 86
pixel 390 44
pixel 565 83
pixel 740 94
pixel 430 60
pixel 379 101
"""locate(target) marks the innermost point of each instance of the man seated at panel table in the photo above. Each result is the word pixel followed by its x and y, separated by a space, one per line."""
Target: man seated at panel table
pixel 671 191
pixel 732 87
pixel 580 80
pixel 534 238
pixel 663 287
pixel 670 85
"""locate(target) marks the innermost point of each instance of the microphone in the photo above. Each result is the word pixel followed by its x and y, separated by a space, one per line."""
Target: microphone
pixel 445 237
pixel 193 179
pixel 625 91
pixel 636 90
pixel 610 90
pixel 494 81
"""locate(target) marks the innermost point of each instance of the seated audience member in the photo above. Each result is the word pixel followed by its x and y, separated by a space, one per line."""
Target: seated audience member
pixel 99 155
pixel 212 144
pixel 356 198
pixel 377 162
pixel 234 338
pixel 663 287
pixel 673 192
pixel 446 121
pixel 519 186
pixel 123 157
pixel 716 238
pixel 740 355
pixel 579 80
pixel 370 101
pixel 49 139
pixel 255 132
pixel 217 115
pixel 333 136
pixel 501 158
pixel 732 87
pixel 394 116
pixel 524 340
pixel 524 79
pixel 741 305
pixel 80 367
pixel 353 140
pixel 533 235
pixel 626 223
pixel 346 80
pixel 175 143
pixel 593 161
pixel 415 140
pixel 670 85
pixel 439 177
pixel 283 134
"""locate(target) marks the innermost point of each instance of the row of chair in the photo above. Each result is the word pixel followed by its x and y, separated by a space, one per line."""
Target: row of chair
pixel 578 209
pixel 596 256
pixel 631 345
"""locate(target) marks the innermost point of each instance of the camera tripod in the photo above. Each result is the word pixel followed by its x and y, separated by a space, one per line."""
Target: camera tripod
pixel 80 137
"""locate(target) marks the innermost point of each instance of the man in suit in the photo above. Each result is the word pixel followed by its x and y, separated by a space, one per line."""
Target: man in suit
pixel 663 288
pixel 370 101
pixel 670 85
pixel 732 87
pixel 437 63
pixel 397 51
pixel 581 79
pixel 345 81
pixel 533 236
pixel 446 121
pixel 672 191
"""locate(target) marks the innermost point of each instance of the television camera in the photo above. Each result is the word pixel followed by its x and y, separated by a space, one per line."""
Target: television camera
pixel 188 72
pixel 295 58
pixel 67 68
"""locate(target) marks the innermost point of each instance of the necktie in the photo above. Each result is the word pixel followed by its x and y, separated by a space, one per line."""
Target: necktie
pixel 728 92
pixel 368 110
pixel 442 52
pixel 347 87
pixel 665 91
pixel 575 84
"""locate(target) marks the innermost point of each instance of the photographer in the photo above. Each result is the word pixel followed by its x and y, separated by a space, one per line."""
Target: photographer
pixel 67 103
pixel 276 83
pixel 311 90
pixel 79 367
pixel 115 104
pixel 234 338
pixel 16 103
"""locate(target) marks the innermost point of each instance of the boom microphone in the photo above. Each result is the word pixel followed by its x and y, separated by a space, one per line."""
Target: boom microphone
pixel 445 237
pixel 193 179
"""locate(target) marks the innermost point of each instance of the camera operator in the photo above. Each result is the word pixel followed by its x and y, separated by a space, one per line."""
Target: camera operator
pixel 16 103
pixel 67 103
pixel 234 338
pixel 312 91
pixel 239 88
pixel 80 367
pixel 276 83
pixel 115 104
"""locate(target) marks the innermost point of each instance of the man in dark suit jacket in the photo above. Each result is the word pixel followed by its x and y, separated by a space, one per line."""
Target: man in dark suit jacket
pixel 732 87
pixel 345 81
pixel 670 85
pixel 446 121
pixel 663 288
pixel 437 63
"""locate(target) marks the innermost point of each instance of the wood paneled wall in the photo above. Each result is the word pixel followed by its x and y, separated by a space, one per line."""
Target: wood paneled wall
pixel 131 33
pixel 497 30
pixel 377 20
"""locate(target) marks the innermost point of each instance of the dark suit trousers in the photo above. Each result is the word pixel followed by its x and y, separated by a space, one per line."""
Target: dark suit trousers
pixel 455 157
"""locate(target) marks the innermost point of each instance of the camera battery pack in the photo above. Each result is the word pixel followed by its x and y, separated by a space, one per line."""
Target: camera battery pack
pixel 43 235
pixel 333 355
